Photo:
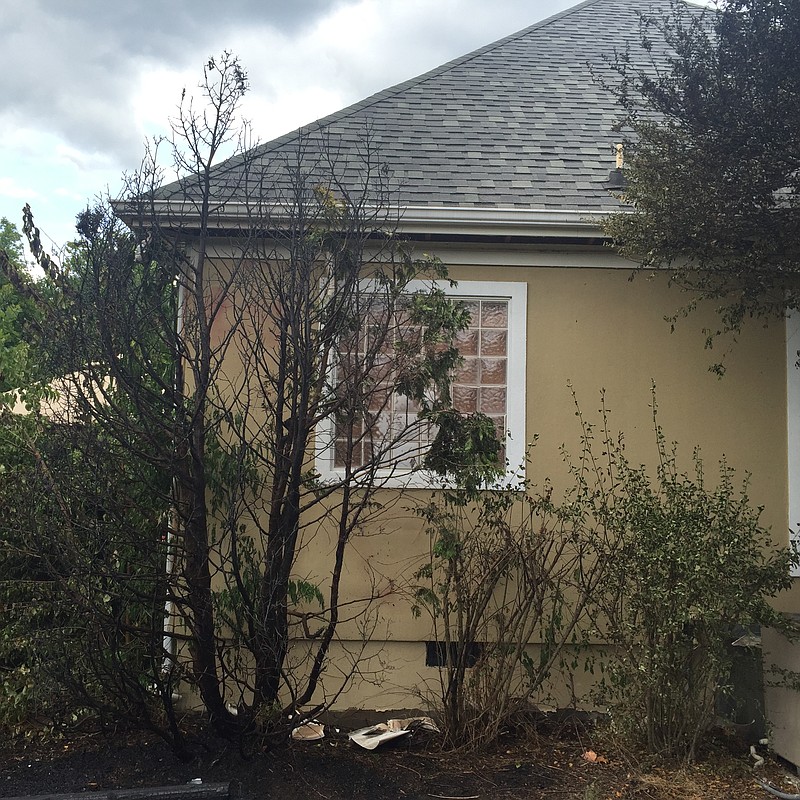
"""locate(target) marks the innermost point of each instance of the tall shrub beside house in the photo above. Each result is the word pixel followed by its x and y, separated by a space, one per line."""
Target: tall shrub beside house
pixel 81 550
pixel 507 611
pixel 657 567
pixel 687 561
pixel 81 577
pixel 225 360
pixel 507 586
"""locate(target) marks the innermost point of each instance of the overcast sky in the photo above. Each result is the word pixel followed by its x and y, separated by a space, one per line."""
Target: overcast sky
pixel 85 82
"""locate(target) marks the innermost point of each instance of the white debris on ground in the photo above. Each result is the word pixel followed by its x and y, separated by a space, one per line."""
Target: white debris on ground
pixel 309 731
pixel 374 735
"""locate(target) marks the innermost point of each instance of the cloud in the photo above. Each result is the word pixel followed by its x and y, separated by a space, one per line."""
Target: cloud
pixel 85 82
pixel 75 67
pixel 15 190
pixel 100 73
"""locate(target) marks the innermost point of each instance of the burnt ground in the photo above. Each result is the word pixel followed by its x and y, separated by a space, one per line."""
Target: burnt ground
pixel 530 766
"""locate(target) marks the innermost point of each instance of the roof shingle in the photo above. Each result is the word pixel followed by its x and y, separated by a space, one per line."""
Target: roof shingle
pixel 525 122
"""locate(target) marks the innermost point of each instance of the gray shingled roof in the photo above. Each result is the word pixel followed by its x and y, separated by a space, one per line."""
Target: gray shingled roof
pixel 521 123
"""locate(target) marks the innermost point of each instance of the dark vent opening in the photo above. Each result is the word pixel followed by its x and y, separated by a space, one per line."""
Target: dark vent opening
pixel 438 654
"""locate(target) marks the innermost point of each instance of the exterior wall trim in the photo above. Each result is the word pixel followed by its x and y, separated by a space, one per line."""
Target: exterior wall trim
pixel 442 220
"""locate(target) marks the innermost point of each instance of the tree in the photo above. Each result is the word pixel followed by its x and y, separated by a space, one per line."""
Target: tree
pixel 14 311
pixel 223 365
pixel 11 242
pixel 713 164
pixel 80 549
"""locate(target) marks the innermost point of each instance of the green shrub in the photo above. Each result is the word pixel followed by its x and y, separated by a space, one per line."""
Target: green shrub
pixel 659 564
pixel 81 580
pixel 685 562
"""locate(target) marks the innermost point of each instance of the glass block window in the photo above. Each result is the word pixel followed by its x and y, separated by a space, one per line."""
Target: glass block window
pixel 388 425
pixel 490 379
pixel 481 383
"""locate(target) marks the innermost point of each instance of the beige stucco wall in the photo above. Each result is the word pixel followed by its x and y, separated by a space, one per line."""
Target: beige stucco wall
pixel 589 326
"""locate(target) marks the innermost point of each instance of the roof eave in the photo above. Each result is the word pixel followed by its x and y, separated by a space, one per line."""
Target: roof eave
pixel 439 221
pixel 508 222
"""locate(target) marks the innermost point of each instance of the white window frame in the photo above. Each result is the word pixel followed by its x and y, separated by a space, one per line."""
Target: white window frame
pixel 516 371
pixel 793 427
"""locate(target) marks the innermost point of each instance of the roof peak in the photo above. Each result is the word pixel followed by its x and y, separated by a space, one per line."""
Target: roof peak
pixel 360 105
pixel 525 122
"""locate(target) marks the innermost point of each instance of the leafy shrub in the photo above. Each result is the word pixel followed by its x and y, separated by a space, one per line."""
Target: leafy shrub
pixel 685 562
pixel 661 568
pixel 81 580
pixel 506 586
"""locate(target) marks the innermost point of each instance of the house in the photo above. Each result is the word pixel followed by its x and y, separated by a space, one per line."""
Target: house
pixel 501 159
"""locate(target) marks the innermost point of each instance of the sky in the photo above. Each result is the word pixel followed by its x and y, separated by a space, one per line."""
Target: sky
pixel 85 83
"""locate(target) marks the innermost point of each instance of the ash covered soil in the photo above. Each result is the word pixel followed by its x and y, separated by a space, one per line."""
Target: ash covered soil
pixel 562 764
